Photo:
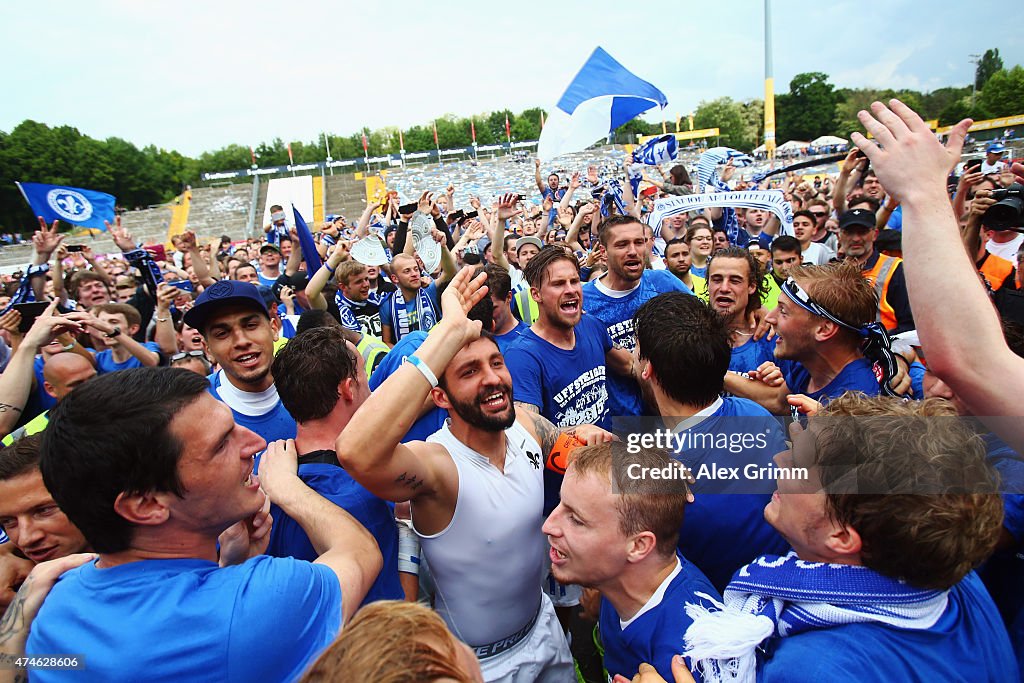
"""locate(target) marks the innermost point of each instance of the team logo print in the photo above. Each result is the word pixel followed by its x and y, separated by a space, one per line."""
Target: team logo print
pixel 534 459
pixel 70 205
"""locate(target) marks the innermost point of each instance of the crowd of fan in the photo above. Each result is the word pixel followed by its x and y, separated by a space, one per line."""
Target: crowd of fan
pixel 393 459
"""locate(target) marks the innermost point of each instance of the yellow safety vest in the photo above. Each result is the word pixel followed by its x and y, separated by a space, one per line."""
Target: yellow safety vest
pixel 529 310
pixel 373 351
pixel 33 426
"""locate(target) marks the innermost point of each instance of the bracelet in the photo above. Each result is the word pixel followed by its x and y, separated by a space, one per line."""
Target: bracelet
pixel 69 346
pixel 162 320
pixel 425 370
pixel 329 269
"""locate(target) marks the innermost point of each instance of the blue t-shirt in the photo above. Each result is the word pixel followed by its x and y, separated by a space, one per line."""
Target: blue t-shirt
pixel 656 635
pixel 749 355
pixel 435 417
pixel 287 539
pixel 275 425
pixel 569 387
pixel 968 643
pixel 386 318
pixel 266 281
pixel 505 340
pixel 858 375
pixel 724 528
pixel 617 314
pixel 190 620
pixel 105 360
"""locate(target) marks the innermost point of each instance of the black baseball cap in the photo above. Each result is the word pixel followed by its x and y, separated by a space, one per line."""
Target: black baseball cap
pixel 857 218
pixel 220 295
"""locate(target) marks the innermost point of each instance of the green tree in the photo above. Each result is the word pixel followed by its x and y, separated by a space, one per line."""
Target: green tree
pixel 728 116
pixel 808 110
pixel 1004 93
pixel 988 65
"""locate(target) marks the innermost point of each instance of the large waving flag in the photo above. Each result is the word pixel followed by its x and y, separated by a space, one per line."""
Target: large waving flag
pixel 603 96
pixel 74 205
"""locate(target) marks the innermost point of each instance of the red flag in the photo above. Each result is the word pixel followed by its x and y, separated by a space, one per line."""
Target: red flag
pixel 435 134
pixel 291 159
pixel 472 129
pixel 508 129
pixel 401 140
pixel 364 145
pixel 252 153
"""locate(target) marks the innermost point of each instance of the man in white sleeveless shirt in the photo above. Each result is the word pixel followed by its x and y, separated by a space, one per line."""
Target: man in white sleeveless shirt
pixel 476 488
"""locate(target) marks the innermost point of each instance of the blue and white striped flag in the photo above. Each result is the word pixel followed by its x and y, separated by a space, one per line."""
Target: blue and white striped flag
pixel 659 150
pixel 603 96
pixel 709 161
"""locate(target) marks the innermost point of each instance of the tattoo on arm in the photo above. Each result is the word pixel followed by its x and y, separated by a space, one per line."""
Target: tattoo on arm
pixel 4 407
pixel 527 406
pixel 547 433
pixel 410 480
pixel 13 622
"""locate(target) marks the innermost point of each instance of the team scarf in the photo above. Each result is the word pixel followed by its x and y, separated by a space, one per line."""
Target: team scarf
pixel 785 596
pixel 875 343
pixel 347 310
pixel 426 314
pixel 707 165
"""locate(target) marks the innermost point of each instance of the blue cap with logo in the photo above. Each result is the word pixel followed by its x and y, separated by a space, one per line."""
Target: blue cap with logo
pixel 220 295
pixel 996 147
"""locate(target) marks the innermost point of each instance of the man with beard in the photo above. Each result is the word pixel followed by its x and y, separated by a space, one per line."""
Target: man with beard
pixel 735 287
pixel 475 487
pixel 677 261
pixel 615 297
pixel 412 307
pixel 234 321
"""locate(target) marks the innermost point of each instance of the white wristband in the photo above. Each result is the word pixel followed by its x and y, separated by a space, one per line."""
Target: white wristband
pixel 424 370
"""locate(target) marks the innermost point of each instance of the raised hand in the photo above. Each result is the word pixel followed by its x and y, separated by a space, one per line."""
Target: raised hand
pixel 462 293
pixel 911 163
pixel 46 239
pixel 122 238
pixel 426 203
pixel 507 206
pixel 574 181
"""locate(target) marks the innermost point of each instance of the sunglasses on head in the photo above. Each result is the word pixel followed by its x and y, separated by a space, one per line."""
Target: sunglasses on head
pixel 183 355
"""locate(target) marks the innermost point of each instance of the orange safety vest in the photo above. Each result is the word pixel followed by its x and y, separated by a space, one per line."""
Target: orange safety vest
pixel 879 277
pixel 996 270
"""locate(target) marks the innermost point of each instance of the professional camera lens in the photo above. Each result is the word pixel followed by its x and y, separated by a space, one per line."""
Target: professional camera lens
pixel 1008 211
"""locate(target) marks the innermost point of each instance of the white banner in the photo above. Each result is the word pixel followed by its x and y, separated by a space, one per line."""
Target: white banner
pixel 770 200
pixel 287 191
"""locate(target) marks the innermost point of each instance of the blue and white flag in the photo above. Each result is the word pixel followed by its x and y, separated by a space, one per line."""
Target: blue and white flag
pixel 709 160
pixel 659 150
pixel 603 96
pixel 74 205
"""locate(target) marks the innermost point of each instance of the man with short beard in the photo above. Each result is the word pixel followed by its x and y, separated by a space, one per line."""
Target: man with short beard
pixel 475 487
pixel 735 287
pixel 615 296
pixel 677 261
pixel 234 321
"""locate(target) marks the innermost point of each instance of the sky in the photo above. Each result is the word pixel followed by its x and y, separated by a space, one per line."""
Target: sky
pixel 196 76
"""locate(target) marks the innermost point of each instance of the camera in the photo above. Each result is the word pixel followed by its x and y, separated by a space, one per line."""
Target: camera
pixel 1008 211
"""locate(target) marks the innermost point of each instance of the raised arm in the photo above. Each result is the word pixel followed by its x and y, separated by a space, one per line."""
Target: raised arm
pixel 315 287
pixel 342 543
pixel 536 176
pixel 369 448
pixel 954 315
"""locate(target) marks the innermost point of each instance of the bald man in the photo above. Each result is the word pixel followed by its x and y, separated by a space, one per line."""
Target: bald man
pixel 62 372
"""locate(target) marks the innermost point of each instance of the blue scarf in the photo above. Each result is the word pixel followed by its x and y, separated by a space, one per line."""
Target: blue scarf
pixel 426 315
pixel 784 596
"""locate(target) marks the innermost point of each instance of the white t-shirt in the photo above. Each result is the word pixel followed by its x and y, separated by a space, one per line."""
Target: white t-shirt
pixel 997 167
pixel 1006 250
pixel 817 253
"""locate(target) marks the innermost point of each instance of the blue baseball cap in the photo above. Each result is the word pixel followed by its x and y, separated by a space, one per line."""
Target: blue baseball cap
pixel 996 147
pixel 221 294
